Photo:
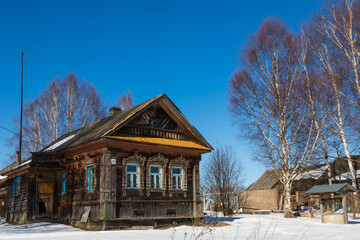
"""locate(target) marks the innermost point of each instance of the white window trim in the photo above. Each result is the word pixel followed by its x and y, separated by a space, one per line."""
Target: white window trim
pixel 160 174
pixel 177 179
pixel 131 178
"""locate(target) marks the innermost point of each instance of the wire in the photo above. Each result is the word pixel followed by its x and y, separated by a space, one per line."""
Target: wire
pixel 19 134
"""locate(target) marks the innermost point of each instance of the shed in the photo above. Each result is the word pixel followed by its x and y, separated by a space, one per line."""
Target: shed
pixel 326 192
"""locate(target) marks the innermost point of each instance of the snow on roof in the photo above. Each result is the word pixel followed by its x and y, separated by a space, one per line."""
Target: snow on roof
pixel 59 143
pixel 2 177
pixel 311 174
pixel 345 176
pixel 24 163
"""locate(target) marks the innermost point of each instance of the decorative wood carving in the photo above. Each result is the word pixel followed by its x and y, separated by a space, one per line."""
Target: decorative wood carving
pixel 181 162
pixel 135 158
pixel 158 159
pixel 165 127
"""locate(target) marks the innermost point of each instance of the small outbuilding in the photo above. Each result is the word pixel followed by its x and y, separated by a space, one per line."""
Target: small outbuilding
pixel 331 193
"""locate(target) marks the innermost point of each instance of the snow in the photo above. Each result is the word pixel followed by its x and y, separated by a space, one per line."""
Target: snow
pixel 59 143
pixel 2 177
pixel 314 174
pixel 24 163
pixel 214 214
pixel 247 227
pixel 345 176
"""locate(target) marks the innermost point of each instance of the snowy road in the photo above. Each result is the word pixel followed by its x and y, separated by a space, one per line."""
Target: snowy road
pixel 247 227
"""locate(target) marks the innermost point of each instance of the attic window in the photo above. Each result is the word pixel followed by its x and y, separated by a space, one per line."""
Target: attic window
pixel 155 123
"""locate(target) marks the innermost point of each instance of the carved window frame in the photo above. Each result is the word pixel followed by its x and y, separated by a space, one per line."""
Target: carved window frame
pixel 179 161
pixel 136 173
pixel 90 162
pixel 135 158
pixel 157 175
pixel 158 159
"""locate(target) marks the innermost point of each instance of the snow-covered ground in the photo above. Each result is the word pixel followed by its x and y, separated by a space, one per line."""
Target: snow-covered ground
pixel 247 227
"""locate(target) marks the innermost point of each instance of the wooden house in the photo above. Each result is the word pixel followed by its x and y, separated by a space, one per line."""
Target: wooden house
pixel 267 192
pixel 139 166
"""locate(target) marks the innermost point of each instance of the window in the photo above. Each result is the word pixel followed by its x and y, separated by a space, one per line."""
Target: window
pixel 155 176
pixel 155 123
pixel 17 182
pixel 90 178
pixel 132 176
pixel 63 179
pixel 177 178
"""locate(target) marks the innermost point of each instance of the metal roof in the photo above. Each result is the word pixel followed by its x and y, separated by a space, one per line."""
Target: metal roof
pixel 333 188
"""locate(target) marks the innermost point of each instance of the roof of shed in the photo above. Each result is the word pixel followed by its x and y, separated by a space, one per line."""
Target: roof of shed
pixel 267 181
pixel 333 188
pixel 270 179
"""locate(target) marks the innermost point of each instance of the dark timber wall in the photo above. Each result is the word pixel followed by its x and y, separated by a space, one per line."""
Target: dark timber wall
pixel 17 206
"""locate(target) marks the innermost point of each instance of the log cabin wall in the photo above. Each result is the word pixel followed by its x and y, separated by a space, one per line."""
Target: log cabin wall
pixel 157 203
pixel 3 204
pixel 17 204
pixel 72 203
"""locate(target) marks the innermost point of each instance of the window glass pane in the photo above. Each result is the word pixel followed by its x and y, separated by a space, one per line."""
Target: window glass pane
pixel 152 181
pixel 174 182
pixel 155 170
pixel 134 181
pixel 131 168
pixel 128 184
pixel 179 182
pixel 90 178
pixel 63 182
pixel 157 181
pixel 176 170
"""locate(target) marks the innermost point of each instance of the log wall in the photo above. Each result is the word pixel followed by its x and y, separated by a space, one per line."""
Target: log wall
pixel 17 206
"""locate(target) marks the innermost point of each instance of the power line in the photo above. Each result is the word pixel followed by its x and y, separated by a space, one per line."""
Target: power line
pixel 17 134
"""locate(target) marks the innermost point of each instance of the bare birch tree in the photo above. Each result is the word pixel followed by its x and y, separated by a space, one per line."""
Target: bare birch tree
pixel 125 101
pixel 337 48
pixel 62 107
pixel 265 105
pixel 314 95
pixel 223 176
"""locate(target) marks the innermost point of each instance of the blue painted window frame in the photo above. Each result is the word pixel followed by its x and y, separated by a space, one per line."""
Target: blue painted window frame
pixel 156 178
pixel 17 183
pixel 177 178
pixel 133 175
pixel 63 180
pixel 90 178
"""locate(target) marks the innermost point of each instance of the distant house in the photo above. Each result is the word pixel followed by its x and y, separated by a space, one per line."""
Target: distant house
pixel 139 166
pixel 267 192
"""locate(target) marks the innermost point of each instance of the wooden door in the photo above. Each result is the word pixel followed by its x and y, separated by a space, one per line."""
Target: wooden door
pixel 45 194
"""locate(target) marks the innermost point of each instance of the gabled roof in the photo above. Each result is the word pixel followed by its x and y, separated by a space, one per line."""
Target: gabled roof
pixel 267 181
pixel 104 128
pixel 333 188
pixel 108 126
pixel 270 179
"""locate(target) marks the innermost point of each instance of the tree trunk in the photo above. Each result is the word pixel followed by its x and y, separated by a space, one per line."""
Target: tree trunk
pixel 287 198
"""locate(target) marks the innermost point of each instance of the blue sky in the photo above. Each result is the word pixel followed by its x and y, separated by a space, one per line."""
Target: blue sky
pixel 185 49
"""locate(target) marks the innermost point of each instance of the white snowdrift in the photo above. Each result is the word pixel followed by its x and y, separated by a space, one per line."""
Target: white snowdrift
pixel 262 226
pixel 312 174
pixel 59 143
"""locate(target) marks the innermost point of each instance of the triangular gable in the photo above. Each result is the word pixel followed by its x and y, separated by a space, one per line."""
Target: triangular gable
pixel 108 126
pixel 178 121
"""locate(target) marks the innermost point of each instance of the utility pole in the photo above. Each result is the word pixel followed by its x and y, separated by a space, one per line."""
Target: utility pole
pixel 18 157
